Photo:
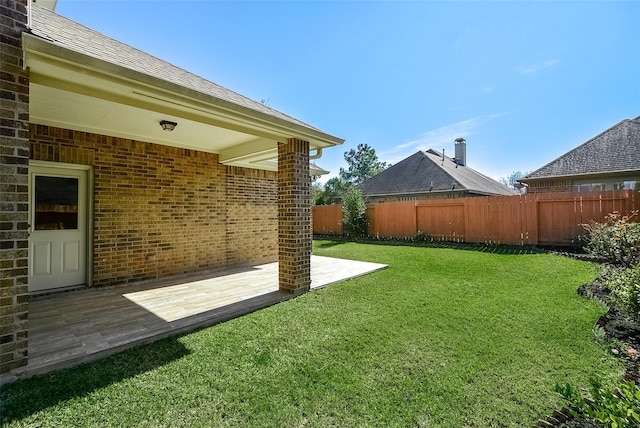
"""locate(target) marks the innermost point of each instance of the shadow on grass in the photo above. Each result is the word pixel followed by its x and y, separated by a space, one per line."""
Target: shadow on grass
pixel 28 396
pixel 333 240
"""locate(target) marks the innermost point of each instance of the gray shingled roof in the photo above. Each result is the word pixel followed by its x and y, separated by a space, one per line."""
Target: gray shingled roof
pixel 71 35
pixel 425 172
pixel 616 149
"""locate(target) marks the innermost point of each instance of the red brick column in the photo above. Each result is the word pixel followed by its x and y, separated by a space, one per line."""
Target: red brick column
pixel 14 189
pixel 294 217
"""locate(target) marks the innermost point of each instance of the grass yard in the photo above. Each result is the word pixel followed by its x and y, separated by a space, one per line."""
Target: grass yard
pixel 442 338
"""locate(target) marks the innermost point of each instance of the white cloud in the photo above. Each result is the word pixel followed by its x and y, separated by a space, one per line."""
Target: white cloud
pixel 436 138
pixel 534 68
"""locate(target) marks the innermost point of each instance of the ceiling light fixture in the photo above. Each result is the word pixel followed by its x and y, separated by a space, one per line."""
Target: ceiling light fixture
pixel 168 125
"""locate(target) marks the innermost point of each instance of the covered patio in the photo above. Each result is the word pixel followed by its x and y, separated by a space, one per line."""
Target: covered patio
pixel 122 167
pixel 75 327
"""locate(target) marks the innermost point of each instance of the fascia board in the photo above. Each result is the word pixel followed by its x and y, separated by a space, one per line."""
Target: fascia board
pixel 261 149
pixel 422 192
pixel 583 175
pixel 272 165
pixel 264 165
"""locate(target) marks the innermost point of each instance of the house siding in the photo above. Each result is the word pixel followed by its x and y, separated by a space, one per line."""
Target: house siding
pixel 419 197
pixel 160 211
pixel 543 186
pixel 14 208
pixel 570 184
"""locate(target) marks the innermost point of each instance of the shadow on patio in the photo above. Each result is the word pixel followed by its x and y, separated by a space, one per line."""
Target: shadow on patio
pixel 71 328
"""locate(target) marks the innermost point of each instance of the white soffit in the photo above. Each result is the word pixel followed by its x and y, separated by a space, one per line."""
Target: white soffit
pixel 64 109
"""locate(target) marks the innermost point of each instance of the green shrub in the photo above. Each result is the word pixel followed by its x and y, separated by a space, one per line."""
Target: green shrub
pixel 624 284
pixel 354 209
pixel 615 409
pixel 616 240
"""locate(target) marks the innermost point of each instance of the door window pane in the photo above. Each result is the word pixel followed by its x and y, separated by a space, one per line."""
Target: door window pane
pixel 56 203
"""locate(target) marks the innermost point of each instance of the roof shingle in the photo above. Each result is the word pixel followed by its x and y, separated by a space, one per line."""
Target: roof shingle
pixel 430 171
pixel 616 149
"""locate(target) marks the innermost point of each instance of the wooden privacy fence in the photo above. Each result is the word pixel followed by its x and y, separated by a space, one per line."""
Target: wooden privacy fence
pixel 531 219
pixel 327 219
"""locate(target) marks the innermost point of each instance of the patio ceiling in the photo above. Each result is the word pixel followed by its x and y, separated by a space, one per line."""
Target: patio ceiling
pixel 72 90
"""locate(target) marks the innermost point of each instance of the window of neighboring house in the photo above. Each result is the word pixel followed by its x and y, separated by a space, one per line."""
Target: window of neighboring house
pixel 589 187
pixel 627 185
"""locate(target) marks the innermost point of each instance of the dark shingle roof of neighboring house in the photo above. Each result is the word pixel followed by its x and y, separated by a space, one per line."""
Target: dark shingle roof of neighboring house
pixel 615 150
pixel 429 171
pixel 71 35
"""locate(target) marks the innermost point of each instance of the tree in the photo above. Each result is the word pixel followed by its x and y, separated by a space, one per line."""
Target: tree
pixel 317 194
pixel 512 180
pixel 330 193
pixel 354 220
pixel 363 163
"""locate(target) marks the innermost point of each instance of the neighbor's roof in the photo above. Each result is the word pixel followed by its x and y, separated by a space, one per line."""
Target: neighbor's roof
pixel 71 35
pixel 430 171
pixel 615 150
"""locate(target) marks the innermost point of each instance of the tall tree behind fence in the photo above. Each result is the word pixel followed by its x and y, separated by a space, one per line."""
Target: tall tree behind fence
pixel 531 219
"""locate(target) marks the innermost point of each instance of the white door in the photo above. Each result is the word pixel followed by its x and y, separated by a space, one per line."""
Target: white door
pixel 58 239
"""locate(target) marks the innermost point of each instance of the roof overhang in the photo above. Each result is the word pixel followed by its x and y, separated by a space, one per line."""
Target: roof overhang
pixel 610 174
pixel 438 191
pixel 49 4
pixel 417 192
pixel 72 90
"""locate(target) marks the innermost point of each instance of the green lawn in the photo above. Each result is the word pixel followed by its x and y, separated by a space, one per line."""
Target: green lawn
pixel 442 338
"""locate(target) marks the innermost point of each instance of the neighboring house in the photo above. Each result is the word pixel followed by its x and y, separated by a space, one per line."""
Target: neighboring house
pixel 431 175
pixel 117 167
pixel 608 161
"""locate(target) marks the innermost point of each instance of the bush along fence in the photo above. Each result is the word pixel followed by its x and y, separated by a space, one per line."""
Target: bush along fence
pixel 530 219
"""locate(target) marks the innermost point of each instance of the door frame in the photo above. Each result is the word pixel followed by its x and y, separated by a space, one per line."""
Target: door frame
pixel 89 200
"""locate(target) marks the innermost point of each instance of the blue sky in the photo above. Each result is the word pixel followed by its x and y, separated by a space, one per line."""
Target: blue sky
pixel 522 82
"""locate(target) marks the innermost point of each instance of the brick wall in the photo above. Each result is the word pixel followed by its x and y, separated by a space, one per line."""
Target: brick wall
pixel 161 211
pixel 252 216
pixel 14 155
pixel 544 186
